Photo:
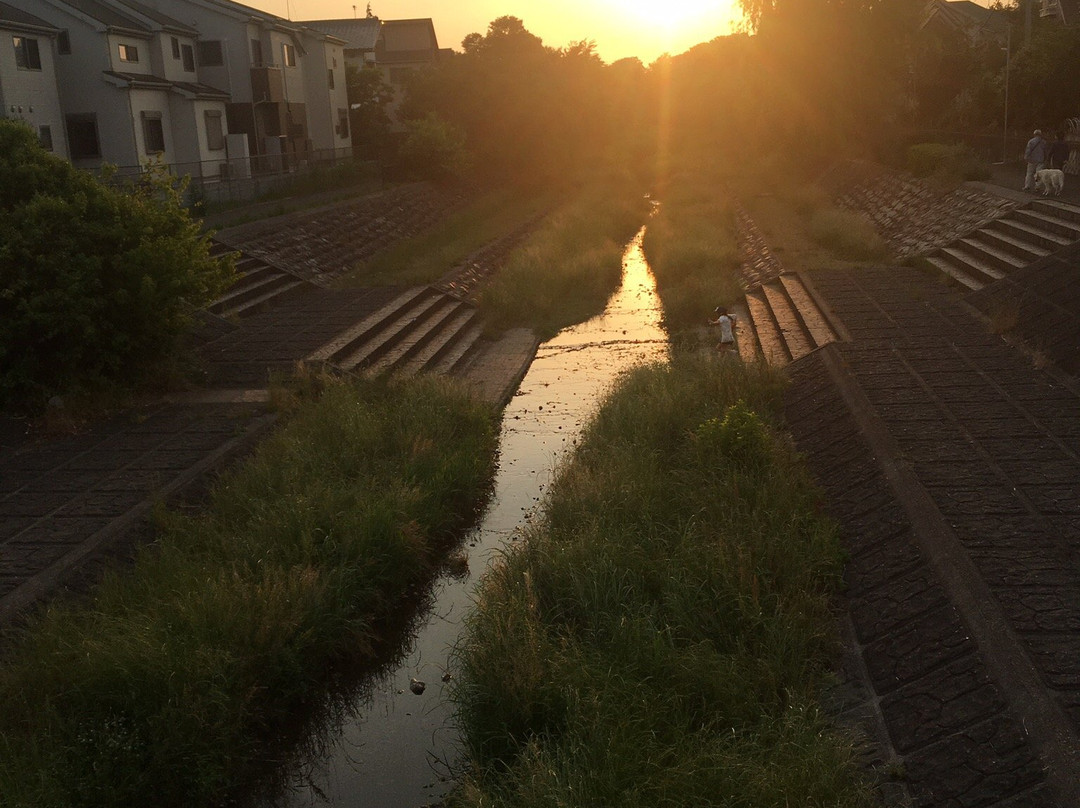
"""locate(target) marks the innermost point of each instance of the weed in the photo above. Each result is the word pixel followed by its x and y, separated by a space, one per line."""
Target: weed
pixel 847 234
pixel 175 675
pixel 660 637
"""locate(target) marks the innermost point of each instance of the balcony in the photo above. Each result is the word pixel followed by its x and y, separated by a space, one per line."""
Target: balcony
pixel 267 85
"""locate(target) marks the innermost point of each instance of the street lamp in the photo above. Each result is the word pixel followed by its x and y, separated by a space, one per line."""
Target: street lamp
pixel 1005 125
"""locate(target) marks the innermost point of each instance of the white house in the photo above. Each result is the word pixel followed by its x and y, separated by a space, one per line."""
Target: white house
pixel 286 83
pixel 29 89
pixel 130 88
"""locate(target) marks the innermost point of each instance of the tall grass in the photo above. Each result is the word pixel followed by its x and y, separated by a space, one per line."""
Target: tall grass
pixel 167 684
pixel 427 257
pixel 692 248
pixel 661 637
pixel 568 269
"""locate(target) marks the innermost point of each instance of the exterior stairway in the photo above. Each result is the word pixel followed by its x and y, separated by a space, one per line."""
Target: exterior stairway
pixel 1010 243
pixel 784 319
pixel 421 330
pixel 259 285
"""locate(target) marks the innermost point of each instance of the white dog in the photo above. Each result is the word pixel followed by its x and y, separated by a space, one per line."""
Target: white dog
pixel 1050 179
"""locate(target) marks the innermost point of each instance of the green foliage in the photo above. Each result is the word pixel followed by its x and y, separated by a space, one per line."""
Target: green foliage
pixel 537 115
pixel 691 247
pixel 661 637
pixel 369 96
pixel 174 680
pixel 433 149
pixel 848 234
pixel 945 161
pixel 96 283
pixel 566 270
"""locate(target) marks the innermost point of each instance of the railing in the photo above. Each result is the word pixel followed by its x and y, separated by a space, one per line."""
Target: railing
pixel 247 178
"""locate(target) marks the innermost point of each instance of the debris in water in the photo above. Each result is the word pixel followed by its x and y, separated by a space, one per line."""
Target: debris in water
pixel 416 686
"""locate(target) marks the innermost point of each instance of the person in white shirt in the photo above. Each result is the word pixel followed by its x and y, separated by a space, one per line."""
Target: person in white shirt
pixel 727 328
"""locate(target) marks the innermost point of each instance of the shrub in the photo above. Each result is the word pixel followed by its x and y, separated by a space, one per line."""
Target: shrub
pixel 952 161
pixel 433 149
pixel 96 283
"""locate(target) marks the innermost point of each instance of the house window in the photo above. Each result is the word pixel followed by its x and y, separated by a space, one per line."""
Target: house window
pixel 343 122
pixel 215 137
pixel 63 43
pixel 175 48
pixel 210 54
pixel 256 52
pixel 45 137
pixel 129 53
pixel 83 136
pixel 330 78
pixel 153 133
pixel 288 55
pixel 27 55
pixel 187 53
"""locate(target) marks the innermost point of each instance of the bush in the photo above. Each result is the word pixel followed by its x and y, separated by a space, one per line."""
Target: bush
pixel 433 149
pixel 96 283
pixel 955 161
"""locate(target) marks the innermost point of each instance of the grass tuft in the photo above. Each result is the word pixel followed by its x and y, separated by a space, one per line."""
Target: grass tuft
pixel 661 637
pixel 173 677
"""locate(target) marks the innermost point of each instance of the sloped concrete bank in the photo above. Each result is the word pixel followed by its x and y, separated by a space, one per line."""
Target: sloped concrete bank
pixel 952 465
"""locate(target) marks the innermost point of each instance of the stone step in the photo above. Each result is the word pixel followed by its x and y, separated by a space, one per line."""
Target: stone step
pixel 1001 260
pixel 459 354
pixel 814 320
pixel 1029 253
pixel 235 300
pixel 1058 209
pixel 1049 223
pixel 1029 234
pixel 958 274
pixel 766 330
pixel 462 327
pixel 291 288
pixel 745 338
pixel 348 340
pixel 393 332
pixel 971 263
pixel 794 333
pixel 421 333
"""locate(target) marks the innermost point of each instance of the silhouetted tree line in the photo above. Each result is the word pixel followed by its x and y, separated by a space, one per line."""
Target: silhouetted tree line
pixel 813 79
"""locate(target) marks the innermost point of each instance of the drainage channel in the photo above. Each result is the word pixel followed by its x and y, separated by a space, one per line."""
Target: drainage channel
pixel 399 745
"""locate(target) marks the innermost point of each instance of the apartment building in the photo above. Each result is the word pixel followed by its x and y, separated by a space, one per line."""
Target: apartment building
pixel 29 89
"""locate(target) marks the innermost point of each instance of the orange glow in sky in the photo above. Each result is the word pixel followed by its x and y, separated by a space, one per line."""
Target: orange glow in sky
pixel 620 28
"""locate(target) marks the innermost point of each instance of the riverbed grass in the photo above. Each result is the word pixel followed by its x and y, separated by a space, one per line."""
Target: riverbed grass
pixel 662 635
pixel 425 258
pixel 568 269
pixel 692 248
pixel 166 684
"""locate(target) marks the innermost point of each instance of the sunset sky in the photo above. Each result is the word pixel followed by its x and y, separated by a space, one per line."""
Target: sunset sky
pixel 619 28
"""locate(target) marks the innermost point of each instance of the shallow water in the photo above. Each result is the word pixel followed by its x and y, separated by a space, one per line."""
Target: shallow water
pixel 398 749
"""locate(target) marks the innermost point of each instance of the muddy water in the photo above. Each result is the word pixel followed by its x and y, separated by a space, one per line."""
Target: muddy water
pixel 400 747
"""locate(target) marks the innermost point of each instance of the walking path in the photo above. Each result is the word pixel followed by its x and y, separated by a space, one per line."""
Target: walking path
pixel 953 466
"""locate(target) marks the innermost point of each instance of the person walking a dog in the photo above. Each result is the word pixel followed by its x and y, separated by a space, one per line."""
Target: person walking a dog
pixel 727 328
pixel 1035 155
pixel 1059 152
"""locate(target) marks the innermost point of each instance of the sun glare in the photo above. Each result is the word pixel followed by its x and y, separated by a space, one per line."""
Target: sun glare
pixel 675 14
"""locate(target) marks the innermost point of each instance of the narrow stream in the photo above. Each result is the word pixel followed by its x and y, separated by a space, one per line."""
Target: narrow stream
pixel 400 747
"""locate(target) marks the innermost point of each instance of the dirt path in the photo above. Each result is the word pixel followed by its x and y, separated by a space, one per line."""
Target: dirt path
pixel 953 466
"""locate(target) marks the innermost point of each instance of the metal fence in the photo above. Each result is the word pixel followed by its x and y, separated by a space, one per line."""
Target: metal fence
pixel 248 178
pixel 1001 148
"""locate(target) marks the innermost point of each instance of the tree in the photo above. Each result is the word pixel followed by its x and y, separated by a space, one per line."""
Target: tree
pixel 97 284
pixel 369 95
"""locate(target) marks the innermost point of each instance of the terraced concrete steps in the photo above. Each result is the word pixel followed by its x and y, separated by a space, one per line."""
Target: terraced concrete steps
pixel 786 321
pixel 1009 244
pixel 420 330
pixel 258 286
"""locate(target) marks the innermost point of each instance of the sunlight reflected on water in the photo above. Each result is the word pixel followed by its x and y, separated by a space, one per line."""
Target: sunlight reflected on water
pixel 400 747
